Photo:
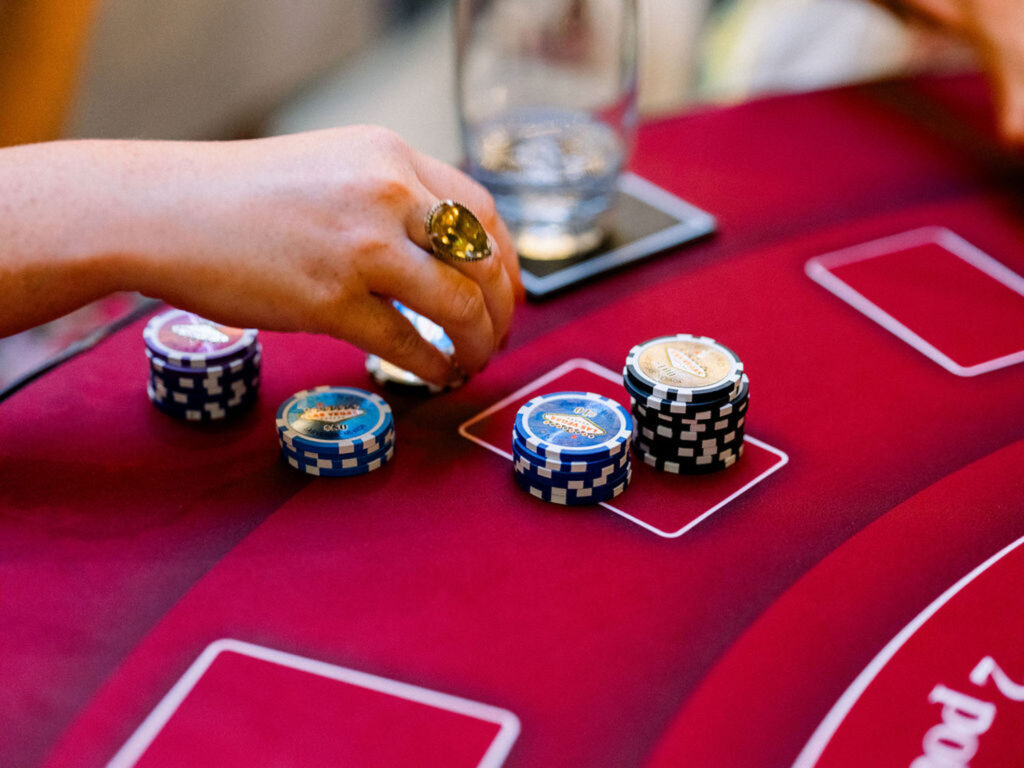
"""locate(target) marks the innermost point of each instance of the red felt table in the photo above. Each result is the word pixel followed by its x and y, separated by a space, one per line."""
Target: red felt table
pixel 174 595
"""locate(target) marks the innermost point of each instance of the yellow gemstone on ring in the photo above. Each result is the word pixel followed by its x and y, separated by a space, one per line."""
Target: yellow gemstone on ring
pixel 456 234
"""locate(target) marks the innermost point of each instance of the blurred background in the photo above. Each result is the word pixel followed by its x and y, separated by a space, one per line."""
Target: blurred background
pixel 195 69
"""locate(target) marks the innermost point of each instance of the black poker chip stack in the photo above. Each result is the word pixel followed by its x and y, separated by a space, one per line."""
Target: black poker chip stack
pixel 689 397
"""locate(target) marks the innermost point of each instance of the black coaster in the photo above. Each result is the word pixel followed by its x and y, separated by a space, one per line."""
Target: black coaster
pixel 647 221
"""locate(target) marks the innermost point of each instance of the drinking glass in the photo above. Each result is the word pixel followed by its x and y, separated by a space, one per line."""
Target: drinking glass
pixel 547 109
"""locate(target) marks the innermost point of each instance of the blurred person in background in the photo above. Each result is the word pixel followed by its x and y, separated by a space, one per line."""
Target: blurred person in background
pixel 764 46
pixel 995 30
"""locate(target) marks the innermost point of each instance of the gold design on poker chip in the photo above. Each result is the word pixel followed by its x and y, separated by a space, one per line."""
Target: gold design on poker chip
pixel 682 363
pixel 456 234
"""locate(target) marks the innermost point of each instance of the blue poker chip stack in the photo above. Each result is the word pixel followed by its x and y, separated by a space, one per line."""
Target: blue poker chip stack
pixel 200 370
pixel 689 398
pixel 335 431
pixel 572 448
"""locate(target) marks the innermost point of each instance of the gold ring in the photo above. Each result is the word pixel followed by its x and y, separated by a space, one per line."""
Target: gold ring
pixel 455 234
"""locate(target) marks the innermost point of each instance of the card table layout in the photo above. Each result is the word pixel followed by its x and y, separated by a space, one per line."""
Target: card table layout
pixel 847 594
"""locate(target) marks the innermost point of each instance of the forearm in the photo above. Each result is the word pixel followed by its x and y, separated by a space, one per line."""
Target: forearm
pixel 56 216
pixel 81 219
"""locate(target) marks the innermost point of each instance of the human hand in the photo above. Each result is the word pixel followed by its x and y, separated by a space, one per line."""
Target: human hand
pixel 997 27
pixel 996 30
pixel 318 232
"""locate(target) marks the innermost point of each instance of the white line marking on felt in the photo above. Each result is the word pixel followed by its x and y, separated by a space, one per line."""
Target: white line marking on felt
pixel 783 461
pixel 144 735
pixel 823 734
pixel 819 270
pixel 564 368
pixel 604 373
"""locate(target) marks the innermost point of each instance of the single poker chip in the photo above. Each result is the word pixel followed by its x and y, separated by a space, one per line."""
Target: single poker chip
pixel 580 467
pixel 667 428
pixel 687 466
pixel 676 423
pixel 574 484
pixel 662 433
pixel 679 407
pixel 389 374
pixel 707 415
pixel 724 394
pixel 574 498
pixel 335 461
pixel 337 420
pixel 686 455
pixel 657 433
pixel 712 419
pixel 226 369
pixel 605 469
pixel 365 451
pixel 186 340
pixel 188 399
pixel 209 411
pixel 225 389
pixel 209 406
pixel 704 444
pixel 427 328
pixel 574 425
pixel 728 424
pixel 684 367
pixel 203 387
pixel 695 463
pixel 360 469
pixel 703 448
pixel 671 467
pixel 695 411
pixel 174 394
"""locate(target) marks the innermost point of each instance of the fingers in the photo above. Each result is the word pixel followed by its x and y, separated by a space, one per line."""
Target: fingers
pixel 445 182
pixel 491 275
pixel 1001 39
pixel 1011 114
pixel 377 327
pixel 387 198
pixel 475 311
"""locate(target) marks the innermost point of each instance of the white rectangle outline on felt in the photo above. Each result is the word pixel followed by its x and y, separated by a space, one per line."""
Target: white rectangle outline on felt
pixel 604 373
pixel 144 735
pixel 818 270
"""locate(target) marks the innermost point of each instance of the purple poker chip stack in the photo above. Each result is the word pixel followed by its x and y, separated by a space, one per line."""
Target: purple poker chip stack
pixel 200 370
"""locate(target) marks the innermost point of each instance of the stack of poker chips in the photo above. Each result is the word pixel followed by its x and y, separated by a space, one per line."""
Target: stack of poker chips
pixel 200 370
pixel 572 448
pixel 689 396
pixel 390 375
pixel 336 431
